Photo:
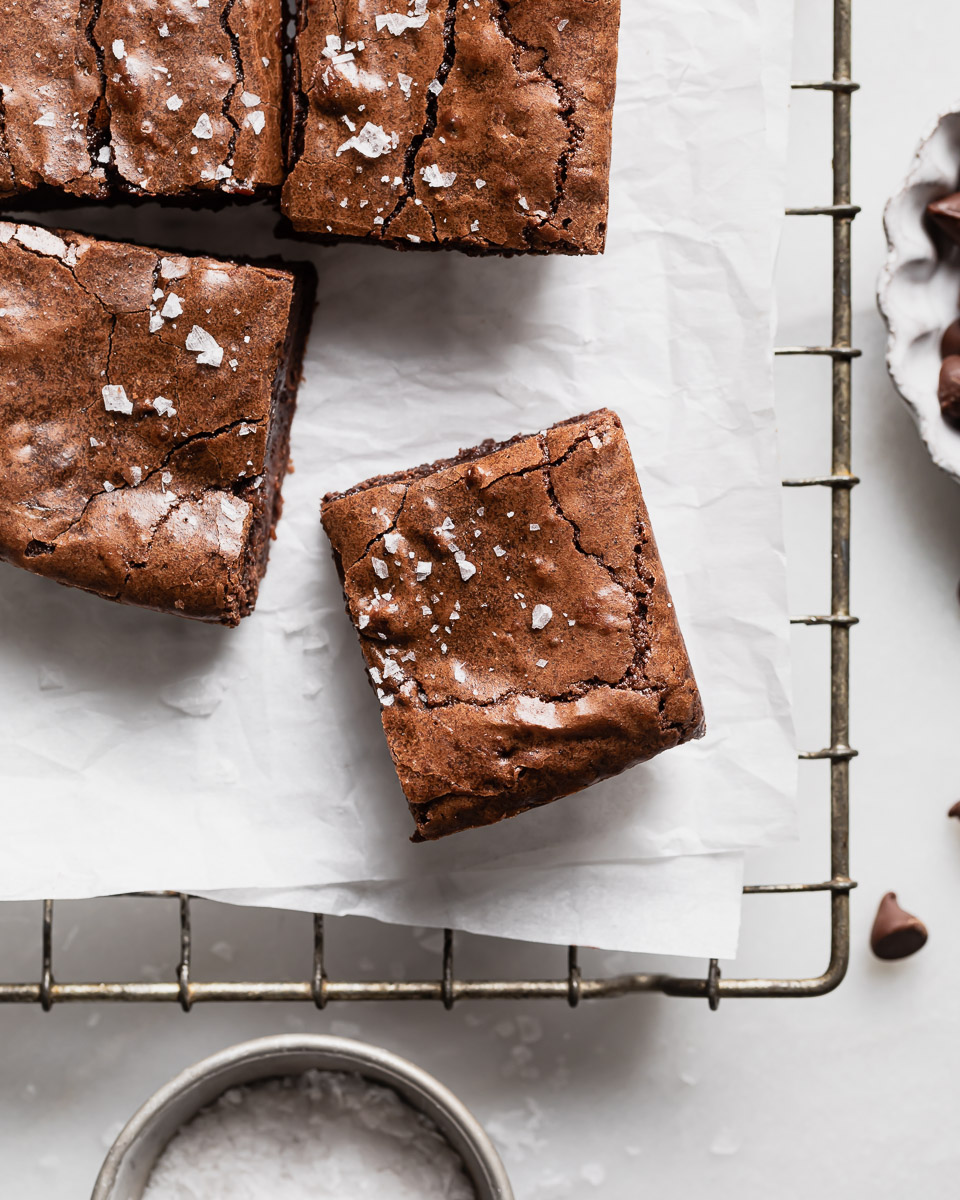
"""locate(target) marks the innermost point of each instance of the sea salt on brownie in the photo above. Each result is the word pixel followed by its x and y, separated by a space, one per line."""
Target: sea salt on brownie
pixel 145 407
pixel 179 99
pixel 477 125
pixel 515 621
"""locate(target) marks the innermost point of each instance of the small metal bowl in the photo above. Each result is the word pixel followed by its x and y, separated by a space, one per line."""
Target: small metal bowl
pixel 133 1155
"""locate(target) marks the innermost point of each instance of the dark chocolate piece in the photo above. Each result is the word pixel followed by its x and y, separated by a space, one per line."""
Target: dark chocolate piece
pixel 955 810
pixel 475 125
pixel 171 101
pixel 950 342
pixel 948 390
pixel 945 214
pixel 515 621
pixel 896 933
pixel 145 407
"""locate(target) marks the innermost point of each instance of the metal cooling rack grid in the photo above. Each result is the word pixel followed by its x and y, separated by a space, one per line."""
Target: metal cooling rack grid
pixel 320 990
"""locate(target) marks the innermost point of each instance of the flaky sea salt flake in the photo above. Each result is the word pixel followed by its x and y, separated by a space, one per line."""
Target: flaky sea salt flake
pixel 203 128
pixel 434 177
pixel 210 353
pixel 371 142
pixel 380 568
pixel 542 616
pixel 115 399
pixel 398 23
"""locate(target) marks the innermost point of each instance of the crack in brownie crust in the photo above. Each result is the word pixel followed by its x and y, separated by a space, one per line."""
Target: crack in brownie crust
pixel 415 131
pixel 136 461
pixel 515 622
pixel 166 100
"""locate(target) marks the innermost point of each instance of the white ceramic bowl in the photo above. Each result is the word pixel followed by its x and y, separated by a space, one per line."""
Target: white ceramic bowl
pixel 919 288
pixel 132 1157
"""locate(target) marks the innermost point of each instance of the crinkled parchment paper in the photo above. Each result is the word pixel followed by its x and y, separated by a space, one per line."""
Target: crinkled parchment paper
pixel 145 752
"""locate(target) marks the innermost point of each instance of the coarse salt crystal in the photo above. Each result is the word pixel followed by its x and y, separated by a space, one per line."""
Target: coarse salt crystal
pixel 210 353
pixel 436 178
pixel 119 51
pixel 164 406
pixel 172 306
pixel 542 616
pixel 380 568
pixel 363 621
pixel 398 23
pixel 249 99
pixel 115 399
pixel 372 141
pixel 203 128
pixel 256 121
pixel 174 102
pixel 391 541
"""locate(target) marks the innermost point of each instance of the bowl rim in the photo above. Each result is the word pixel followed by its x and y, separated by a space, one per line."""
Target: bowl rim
pixel 416 1086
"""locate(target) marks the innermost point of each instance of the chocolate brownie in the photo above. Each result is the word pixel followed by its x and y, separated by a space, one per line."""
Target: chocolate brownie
pixel 145 407
pixel 475 125
pixel 167 100
pixel 515 621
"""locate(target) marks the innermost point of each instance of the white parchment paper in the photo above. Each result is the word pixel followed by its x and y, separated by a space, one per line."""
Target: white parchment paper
pixel 141 752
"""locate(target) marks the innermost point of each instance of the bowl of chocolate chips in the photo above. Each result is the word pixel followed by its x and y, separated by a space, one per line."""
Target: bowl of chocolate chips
pixel 919 290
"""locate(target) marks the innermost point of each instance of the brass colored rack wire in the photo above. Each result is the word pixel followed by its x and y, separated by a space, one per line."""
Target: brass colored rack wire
pixel 572 987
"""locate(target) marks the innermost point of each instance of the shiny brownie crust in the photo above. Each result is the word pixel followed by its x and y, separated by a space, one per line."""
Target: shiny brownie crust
pixel 515 621
pixel 145 408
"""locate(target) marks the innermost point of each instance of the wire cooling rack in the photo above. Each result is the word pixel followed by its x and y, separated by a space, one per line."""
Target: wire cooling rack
pixel 573 987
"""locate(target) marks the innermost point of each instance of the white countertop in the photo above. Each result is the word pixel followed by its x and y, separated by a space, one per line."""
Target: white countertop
pixel 855 1092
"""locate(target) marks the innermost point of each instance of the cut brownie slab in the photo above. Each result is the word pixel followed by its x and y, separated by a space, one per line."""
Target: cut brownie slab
pixel 476 125
pixel 516 622
pixel 169 100
pixel 145 407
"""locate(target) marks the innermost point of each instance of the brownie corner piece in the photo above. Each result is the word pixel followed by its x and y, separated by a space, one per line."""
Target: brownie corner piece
pixel 475 125
pixel 102 99
pixel 145 408
pixel 515 621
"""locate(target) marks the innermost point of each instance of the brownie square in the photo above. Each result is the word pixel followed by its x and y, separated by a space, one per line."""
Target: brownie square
pixel 145 407
pixel 169 100
pixel 515 621
pixel 474 125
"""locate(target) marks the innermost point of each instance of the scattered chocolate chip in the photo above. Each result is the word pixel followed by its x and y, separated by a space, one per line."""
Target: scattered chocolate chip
pixel 955 811
pixel 950 342
pixel 945 214
pixel 896 933
pixel 948 390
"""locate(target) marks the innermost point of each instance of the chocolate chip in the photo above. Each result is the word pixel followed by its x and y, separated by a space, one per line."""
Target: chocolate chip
pixel 945 214
pixel 896 933
pixel 948 390
pixel 950 342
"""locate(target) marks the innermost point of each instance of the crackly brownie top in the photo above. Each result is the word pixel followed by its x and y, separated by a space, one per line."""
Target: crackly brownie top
pixel 161 97
pixel 521 569
pixel 135 404
pixel 480 122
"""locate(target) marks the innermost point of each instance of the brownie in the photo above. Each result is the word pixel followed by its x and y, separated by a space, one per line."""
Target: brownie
pixel 145 407
pixel 474 125
pixel 170 100
pixel 515 622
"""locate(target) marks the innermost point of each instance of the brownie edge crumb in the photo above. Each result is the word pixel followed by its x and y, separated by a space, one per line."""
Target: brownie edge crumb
pixel 515 621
